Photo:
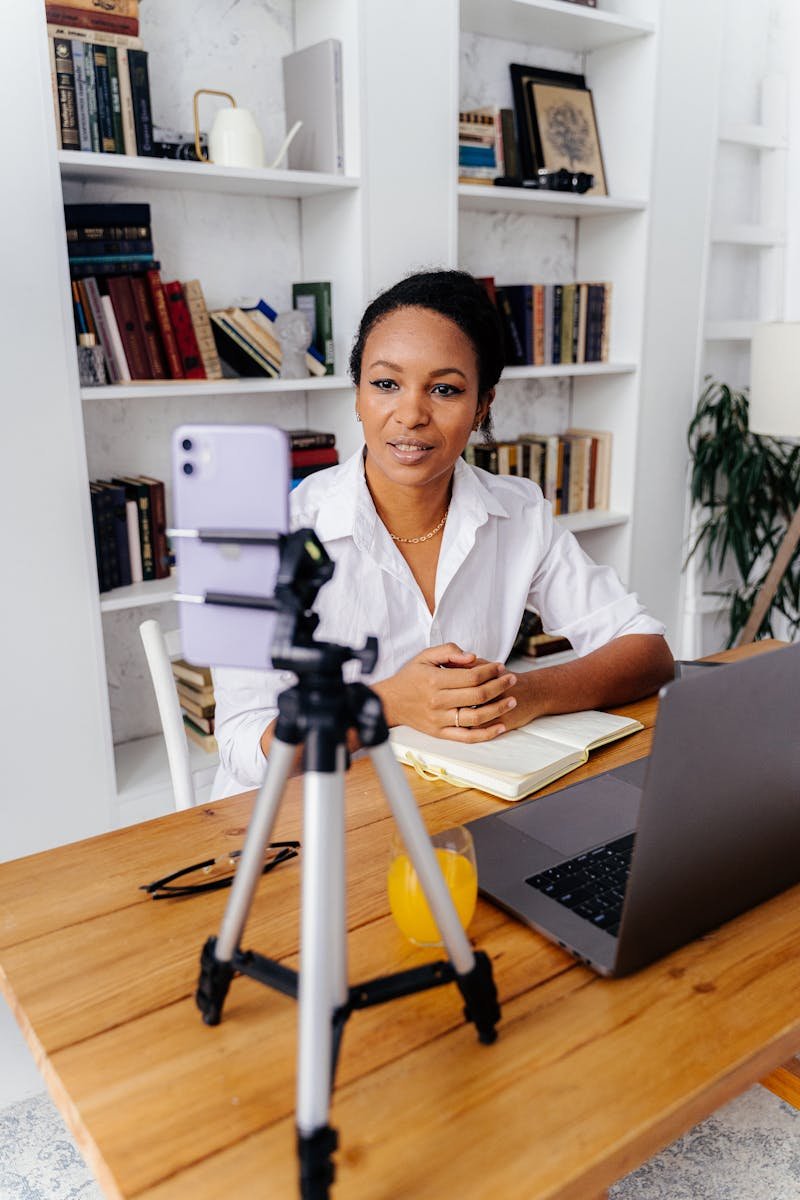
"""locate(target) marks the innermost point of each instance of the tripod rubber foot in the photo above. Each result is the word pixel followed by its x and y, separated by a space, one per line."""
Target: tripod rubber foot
pixel 212 986
pixel 317 1171
pixel 480 996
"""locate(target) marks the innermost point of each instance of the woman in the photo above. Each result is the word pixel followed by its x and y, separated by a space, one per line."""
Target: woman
pixel 438 559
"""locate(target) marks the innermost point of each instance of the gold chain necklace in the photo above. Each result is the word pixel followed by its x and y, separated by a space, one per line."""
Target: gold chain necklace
pixel 426 536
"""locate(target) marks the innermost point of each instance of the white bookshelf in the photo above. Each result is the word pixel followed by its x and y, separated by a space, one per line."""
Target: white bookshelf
pixel 480 198
pixel 161 173
pixel 552 23
pixel 569 370
pixel 177 389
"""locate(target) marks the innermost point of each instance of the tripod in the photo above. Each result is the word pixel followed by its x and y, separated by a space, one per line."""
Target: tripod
pixel 317 713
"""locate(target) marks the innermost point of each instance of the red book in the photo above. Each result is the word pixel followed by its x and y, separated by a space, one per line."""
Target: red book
pixel 149 327
pixel 124 305
pixel 185 336
pixel 313 458
pixel 101 22
pixel 155 287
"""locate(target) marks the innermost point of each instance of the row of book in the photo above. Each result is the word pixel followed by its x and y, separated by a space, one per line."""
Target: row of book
pixel 100 80
pixel 551 323
pixel 311 451
pixel 533 642
pixel 152 330
pixel 573 469
pixel 130 530
pixel 196 698
pixel 487 145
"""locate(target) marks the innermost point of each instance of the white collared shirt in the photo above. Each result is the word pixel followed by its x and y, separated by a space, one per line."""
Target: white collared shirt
pixel 502 552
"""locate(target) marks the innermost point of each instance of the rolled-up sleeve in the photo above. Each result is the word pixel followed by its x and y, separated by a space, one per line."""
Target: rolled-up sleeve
pixel 580 600
pixel 246 702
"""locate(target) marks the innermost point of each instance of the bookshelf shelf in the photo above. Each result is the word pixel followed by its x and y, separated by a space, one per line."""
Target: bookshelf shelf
pixel 584 522
pixel 178 388
pixel 478 198
pixel 748 235
pixel 729 331
pixel 551 23
pixel 569 370
pixel 759 137
pixel 81 166
pixel 143 775
pixel 138 595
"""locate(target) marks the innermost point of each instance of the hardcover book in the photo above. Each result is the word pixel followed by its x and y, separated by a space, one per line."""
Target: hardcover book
pixel 98 21
pixel 158 525
pixel 185 337
pixel 168 340
pixel 198 676
pixel 133 337
pixel 138 491
pixel 518 762
pixel 195 300
pixel 310 439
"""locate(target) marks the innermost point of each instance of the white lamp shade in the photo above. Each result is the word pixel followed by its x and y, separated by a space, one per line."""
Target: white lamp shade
pixel 775 380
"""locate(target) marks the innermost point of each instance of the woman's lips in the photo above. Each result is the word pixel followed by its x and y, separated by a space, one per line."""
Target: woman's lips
pixel 409 451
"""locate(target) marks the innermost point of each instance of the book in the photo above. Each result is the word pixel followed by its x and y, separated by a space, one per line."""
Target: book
pixel 121 368
pixel 206 724
pixel 134 540
pixel 185 337
pixel 138 491
pixel 518 762
pixel 158 525
pixel 249 337
pixel 116 101
pixel 308 458
pixel 81 94
pixel 514 346
pixel 65 87
pixel 602 481
pixel 104 545
pixel 195 708
pixel 196 734
pixel 113 221
pixel 97 21
pixel 140 94
pixel 310 439
pixel 161 312
pixel 122 8
pixel 193 293
pixel 105 115
pixel 54 87
pixel 119 527
pixel 312 90
pixel 94 36
pixel 130 331
pixel 122 248
pixel 520 300
pixel 314 299
pixel 198 695
pixel 126 102
pixel 199 676
pixel 240 355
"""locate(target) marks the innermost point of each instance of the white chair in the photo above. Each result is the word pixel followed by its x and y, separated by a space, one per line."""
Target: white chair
pixel 158 648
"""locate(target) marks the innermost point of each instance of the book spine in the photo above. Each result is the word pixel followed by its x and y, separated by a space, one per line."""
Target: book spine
pixel 51 48
pixel 75 34
pixel 158 529
pixel 105 22
pixel 98 248
pixel 98 266
pixel 309 458
pixel 193 291
pixel 65 84
pixel 81 97
pixel 149 327
pixel 605 336
pixel 105 115
pixel 91 97
pixel 116 495
pixel 120 8
pixel 116 102
pixel 130 259
pixel 145 533
pixel 91 327
pixel 514 350
pixel 126 102
pixel 89 286
pixel 117 348
pixel 134 540
pixel 567 315
pixel 109 538
pixel 102 569
pixel 107 216
pixel 119 289
pixel 558 294
pixel 510 152
pixel 316 298
pixel 181 320
pixel 140 92
pixel 235 349
pixel 174 364
pixel 538 325
pixel 310 439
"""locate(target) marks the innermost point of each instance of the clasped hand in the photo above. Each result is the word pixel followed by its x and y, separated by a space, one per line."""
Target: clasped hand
pixel 450 693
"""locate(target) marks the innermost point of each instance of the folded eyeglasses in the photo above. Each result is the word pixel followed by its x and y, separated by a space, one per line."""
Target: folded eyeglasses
pixel 218 873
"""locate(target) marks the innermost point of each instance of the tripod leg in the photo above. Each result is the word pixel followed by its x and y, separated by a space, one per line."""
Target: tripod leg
pixel 322 980
pixel 473 971
pixel 216 970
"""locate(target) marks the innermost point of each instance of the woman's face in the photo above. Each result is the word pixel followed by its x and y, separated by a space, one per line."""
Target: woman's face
pixel 418 396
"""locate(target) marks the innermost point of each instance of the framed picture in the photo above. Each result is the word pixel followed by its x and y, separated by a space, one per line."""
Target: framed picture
pixel 556 124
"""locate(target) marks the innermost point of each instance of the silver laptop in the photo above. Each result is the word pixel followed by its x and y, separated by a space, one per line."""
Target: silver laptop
pixel 627 866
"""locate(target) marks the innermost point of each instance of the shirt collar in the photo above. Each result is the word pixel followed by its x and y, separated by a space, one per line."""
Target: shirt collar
pixel 348 510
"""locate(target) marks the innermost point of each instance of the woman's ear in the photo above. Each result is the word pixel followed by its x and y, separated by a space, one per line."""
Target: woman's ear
pixel 484 404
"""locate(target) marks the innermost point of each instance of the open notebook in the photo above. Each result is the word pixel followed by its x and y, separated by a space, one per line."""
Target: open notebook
pixel 515 763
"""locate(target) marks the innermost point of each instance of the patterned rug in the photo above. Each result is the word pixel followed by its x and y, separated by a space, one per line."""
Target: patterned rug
pixel 748 1150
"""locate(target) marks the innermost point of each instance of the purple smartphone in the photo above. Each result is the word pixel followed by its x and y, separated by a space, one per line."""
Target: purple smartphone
pixel 228 477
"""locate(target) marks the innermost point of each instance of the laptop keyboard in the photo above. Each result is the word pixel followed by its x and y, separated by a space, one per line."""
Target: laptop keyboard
pixel 592 884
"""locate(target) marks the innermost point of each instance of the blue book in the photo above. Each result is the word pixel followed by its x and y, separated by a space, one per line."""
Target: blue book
pixel 476 156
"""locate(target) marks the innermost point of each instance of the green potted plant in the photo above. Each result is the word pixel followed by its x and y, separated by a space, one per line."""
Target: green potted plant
pixel 746 489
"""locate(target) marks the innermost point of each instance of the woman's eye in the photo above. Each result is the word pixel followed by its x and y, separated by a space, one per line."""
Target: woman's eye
pixel 447 389
pixel 383 385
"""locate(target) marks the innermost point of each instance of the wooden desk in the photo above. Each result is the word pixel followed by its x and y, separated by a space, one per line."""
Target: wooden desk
pixel 588 1078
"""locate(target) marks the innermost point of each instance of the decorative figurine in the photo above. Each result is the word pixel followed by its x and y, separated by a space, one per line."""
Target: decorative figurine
pixel 293 331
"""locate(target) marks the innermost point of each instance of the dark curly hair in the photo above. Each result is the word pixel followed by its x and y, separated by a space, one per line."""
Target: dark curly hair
pixel 456 295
